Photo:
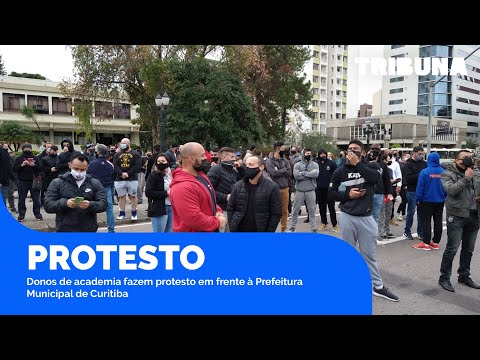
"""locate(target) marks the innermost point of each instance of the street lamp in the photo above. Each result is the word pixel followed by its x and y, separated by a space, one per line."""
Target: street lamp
pixel 162 104
pixel 368 129
pixel 430 107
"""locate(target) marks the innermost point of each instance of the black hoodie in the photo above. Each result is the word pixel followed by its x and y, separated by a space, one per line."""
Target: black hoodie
pixel 65 157
pixel 27 172
pixel 362 176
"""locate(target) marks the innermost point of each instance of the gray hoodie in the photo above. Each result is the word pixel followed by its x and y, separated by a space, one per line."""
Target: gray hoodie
pixel 305 174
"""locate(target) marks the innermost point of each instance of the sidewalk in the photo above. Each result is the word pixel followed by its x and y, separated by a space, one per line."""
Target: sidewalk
pixel 48 222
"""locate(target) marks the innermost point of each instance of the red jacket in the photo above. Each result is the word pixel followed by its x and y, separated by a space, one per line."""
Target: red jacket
pixel 192 203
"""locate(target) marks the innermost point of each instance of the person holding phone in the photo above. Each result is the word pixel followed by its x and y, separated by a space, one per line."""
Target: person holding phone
pixel 76 198
pixel 27 166
pixel 353 185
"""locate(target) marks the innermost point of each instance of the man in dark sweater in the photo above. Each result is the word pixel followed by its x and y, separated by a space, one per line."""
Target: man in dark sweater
pixel 413 166
pixel 254 204
pixel 353 185
pixel 326 168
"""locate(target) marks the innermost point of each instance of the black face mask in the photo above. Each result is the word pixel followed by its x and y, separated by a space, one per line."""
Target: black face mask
pixel 389 163
pixel 52 155
pixel 228 162
pixel 307 157
pixel 252 172
pixel 215 159
pixel 281 153
pixel 204 166
pixel 29 153
pixel 468 162
pixel 322 157
pixel 162 166
pixel 293 152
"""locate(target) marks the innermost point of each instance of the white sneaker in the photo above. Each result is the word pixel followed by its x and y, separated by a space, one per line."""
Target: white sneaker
pixel 134 217
pixel 399 217
pixel 120 217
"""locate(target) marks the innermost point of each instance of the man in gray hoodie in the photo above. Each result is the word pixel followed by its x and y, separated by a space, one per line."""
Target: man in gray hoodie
pixel 305 173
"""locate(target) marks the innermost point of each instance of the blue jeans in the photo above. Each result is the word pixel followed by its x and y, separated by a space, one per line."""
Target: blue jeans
pixel 163 223
pixel 411 205
pixel 4 191
pixel 377 206
pixel 110 216
pixel 459 231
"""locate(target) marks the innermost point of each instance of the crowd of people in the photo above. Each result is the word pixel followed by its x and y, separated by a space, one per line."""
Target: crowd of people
pixel 191 189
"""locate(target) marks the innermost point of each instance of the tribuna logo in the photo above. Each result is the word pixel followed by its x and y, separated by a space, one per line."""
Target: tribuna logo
pixel 404 66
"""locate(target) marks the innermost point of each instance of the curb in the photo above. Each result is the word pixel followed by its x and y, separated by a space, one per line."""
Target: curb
pixel 101 224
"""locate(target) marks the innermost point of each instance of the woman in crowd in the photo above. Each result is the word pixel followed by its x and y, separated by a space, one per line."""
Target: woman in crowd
pixel 157 191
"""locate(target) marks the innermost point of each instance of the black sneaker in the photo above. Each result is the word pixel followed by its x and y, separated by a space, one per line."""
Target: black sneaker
pixel 391 235
pixel 385 293
pixel 306 221
pixel 13 210
pixel 408 236
pixel 20 219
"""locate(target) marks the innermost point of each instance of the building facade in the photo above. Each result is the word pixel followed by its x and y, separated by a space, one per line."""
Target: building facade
pixel 404 130
pixel 365 110
pixel 455 97
pixel 327 72
pixel 55 114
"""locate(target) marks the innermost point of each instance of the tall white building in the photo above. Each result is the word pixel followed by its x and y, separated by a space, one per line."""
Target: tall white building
pixel 327 72
pixel 455 97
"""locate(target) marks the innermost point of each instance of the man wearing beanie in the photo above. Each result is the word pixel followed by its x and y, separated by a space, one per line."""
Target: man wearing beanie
pixel 27 166
pixel 326 167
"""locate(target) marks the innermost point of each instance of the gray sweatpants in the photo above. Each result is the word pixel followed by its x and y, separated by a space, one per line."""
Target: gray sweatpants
pixel 310 199
pixel 384 219
pixel 362 230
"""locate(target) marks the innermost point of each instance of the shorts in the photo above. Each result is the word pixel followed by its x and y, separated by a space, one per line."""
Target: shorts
pixel 126 187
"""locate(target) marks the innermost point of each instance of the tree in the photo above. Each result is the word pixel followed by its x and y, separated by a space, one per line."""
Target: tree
pixel 210 106
pixel 29 113
pixel 272 77
pixel 28 75
pixel 3 71
pixel 316 141
pixel 15 133
pixel 471 143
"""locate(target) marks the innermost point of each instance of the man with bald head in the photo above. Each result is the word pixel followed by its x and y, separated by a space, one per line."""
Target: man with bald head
pixel 192 195
pixel 126 165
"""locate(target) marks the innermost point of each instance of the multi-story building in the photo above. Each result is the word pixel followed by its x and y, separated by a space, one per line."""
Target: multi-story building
pixel 455 97
pixel 55 114
pixel 327 72
pixel 365 110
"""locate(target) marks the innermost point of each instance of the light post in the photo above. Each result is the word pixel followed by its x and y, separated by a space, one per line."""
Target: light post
pixel 162 104
pixel 430 107
pixel 368 129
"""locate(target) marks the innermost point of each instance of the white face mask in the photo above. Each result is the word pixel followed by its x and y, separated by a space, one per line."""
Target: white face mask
pixel 78 175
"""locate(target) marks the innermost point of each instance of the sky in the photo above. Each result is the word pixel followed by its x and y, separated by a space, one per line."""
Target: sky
pixel 55 63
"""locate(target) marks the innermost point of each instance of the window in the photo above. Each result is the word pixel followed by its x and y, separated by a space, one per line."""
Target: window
pixel 315 91
pixel 396 46
pixel 39 104
pixel 316 53
pixel 467 112
pixel 395 112
pixel 61 106
pixel 103 109
pixel 122 111
pixel 395 91
pixel 315 78
pixel 314 102
pixel 13 102
pixel 473 124
pixel 396 79
pixel 395 102
pixel 315 66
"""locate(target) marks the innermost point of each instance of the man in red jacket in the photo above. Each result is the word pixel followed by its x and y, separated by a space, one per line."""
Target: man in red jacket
pixel 192 195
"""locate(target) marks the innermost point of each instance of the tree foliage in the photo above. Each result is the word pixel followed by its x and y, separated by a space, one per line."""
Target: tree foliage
pixel 28 75
pixel 15 133
pixel 210 106
pixel 29 113
pixel 316 141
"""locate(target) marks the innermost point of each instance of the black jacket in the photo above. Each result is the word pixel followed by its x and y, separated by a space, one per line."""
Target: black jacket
pixel 326 169
pixel 268 205
pixel 64 158
pixel 362 176
pixel 412 170
pixel 223 177
pixel 27 172
pixel 75 220
pixel 156 194
pixel 47 163
pixel 384 185
pixel 5 167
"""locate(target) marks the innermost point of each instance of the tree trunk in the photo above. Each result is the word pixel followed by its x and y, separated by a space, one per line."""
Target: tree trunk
pixel 284 122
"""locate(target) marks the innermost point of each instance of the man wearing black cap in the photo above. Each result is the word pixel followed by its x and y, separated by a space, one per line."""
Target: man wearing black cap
pixel 326 167
pixel 27 166
pixel 89 151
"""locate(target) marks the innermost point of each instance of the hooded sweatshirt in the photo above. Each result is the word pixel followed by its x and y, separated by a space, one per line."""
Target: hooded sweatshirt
pixel 192 204
pixel 429 186
pixel 65 157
